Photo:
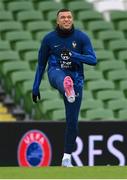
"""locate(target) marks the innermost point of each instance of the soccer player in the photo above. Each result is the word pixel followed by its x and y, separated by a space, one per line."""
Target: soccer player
pixel 65 49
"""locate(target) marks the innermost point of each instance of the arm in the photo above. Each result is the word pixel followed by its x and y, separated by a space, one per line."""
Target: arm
pixel 88 56
pixel 42 61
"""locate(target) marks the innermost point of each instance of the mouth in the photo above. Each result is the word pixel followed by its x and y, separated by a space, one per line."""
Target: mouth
pixel 66 25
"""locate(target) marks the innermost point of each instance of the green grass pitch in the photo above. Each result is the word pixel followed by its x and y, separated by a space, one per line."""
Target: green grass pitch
pixel 95 172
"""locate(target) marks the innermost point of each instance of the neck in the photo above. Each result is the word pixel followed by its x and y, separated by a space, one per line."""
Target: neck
pixel 65 32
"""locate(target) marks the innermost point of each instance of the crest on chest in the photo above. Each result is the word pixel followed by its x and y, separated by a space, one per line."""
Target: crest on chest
pixel 74 44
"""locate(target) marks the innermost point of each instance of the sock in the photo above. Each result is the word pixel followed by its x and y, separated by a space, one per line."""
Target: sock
pixel 66 156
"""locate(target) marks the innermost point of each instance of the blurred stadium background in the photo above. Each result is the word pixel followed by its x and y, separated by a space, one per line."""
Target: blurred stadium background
pixel 24 23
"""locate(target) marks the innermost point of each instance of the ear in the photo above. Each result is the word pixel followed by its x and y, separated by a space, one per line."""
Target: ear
pixel 57 22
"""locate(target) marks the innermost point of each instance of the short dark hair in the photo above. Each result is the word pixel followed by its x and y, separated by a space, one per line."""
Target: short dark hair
pixel 63 10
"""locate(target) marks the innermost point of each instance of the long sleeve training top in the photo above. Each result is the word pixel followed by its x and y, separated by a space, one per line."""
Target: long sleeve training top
pixel 78 43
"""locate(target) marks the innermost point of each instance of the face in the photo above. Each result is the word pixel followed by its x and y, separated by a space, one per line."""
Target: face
pixel 65 20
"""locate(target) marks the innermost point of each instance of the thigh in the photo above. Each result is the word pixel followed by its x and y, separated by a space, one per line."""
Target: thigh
pixel 56 77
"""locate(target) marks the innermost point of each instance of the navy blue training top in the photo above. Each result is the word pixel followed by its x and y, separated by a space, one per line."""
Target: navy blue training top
pixel 50 51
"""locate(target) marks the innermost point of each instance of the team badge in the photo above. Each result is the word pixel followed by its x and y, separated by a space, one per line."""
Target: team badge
pixel 74 44
pixel 34 149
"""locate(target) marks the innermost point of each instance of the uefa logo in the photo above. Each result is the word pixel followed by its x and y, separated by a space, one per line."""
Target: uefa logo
pixel 34 149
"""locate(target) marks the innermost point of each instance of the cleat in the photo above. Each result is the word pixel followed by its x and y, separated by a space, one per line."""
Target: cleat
pixel 69 89
pixel 66 163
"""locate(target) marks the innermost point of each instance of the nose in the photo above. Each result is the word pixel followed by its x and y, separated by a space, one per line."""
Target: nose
pixel 66 19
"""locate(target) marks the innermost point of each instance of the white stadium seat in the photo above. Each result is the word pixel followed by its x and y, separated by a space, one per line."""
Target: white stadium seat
pixel 106 6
